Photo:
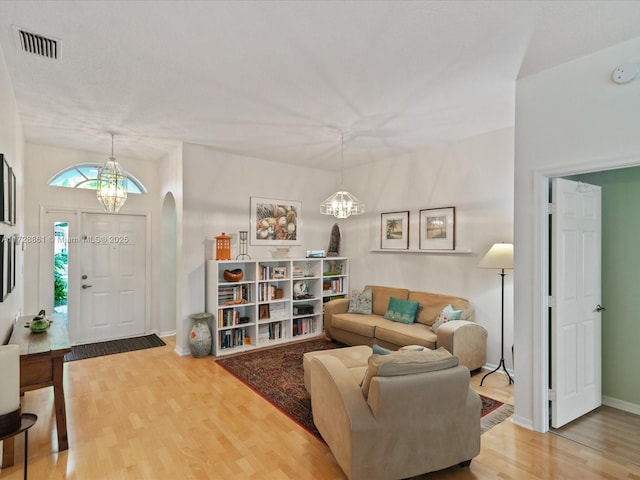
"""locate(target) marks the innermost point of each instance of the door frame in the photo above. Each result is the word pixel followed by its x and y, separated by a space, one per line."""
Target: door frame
pixel 540 281
pixel 45 277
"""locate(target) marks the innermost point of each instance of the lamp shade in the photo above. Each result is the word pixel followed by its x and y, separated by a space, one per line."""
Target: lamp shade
pixel 341 205
pixel 500 255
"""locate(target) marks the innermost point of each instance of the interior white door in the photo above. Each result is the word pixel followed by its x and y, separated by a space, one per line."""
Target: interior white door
pixel 575 308
pixel 113 277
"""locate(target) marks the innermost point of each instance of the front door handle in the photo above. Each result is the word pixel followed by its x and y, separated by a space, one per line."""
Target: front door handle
pixel 599 308
pixel 86 286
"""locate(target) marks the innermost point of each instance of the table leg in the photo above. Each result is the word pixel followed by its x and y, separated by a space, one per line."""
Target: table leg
pixel 61 411
pixel 7 452
pixel 26 446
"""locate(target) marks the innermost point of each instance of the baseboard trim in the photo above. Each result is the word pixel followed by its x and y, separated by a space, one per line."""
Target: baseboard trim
pixel 621 405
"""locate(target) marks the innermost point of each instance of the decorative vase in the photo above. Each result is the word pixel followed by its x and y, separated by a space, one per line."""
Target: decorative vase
pixel 200 336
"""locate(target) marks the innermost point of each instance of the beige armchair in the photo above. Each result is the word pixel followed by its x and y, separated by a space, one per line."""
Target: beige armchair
pixel 414 413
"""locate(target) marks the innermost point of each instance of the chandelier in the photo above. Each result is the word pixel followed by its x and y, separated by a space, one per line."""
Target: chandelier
pixel 342 204
pixel 112 184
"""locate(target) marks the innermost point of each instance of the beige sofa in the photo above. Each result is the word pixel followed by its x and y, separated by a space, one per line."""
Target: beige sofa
pixel 414 413
pixel 463 338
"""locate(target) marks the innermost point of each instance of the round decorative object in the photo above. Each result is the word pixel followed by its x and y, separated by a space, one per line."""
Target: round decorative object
pixel 40 323
pixel 233 275
pixel 200 336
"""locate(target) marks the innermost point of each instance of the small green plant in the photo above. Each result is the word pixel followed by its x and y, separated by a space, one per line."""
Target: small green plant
pixel 59 279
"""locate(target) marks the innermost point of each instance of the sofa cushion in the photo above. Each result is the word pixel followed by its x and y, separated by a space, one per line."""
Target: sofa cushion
pixel 447 314
pixel 406 362
pixel 364 325
pixel 403 334
pixel 403 311
pixel 361 302
pixel 432 304
pixel 381 296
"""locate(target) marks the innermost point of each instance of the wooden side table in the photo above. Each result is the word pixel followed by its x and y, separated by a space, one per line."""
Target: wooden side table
pixel 41 365
pixel 28 420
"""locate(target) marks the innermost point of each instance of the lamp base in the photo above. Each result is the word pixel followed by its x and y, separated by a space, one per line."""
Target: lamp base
pixel 501 364
pixel 10 422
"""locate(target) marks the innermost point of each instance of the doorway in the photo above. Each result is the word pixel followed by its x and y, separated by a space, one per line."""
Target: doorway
pixel 620 264
pixel 111 252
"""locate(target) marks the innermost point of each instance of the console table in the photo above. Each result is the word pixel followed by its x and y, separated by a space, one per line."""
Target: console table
pixel 41 362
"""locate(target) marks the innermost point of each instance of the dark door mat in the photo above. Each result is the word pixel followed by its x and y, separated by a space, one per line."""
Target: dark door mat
pixel 90 350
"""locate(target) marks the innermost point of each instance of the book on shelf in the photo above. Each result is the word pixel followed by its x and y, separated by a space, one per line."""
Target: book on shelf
pixel 227 317
pixel 228 294
pixel 233 338
pixel 303 326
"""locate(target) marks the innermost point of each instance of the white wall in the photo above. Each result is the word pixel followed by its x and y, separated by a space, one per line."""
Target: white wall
pixel 171 198
pixel 475 176
pixel 42 163
pixel 12 147
pixel 217 191
pixel 569 119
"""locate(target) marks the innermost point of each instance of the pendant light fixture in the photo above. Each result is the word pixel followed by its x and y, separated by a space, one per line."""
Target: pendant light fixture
pixel 342 204
pixel 112 184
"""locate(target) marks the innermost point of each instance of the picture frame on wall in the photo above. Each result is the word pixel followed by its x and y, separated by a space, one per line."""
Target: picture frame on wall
pixel 275 222
pixel 14 243
pixel 4 259
pixel 4 184
pixel 394 230
pixel 11 264
pixel 12 197
pixel 438 228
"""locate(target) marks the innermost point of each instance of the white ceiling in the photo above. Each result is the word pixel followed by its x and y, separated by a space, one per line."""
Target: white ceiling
pixel 280 79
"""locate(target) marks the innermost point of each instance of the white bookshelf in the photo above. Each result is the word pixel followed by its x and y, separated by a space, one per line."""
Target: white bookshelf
pixel 277 301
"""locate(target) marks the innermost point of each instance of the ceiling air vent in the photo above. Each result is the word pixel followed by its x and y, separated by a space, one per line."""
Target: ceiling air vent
pixel 38 44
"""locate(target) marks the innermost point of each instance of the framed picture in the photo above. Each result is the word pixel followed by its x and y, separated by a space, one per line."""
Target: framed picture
pixel 10 264
pixel 279 273
pixel 4 258
pixel 12 197
pixel 394 230
pixel 264 313
pixel 438 228
pixel 4 184
pixel 275 222
pixel 12 280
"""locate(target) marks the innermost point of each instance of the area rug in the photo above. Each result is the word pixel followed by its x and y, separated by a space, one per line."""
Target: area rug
pixel 278 376
pixel 90 350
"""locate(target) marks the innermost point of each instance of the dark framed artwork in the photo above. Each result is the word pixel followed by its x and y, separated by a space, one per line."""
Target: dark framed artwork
pixel 4 288
pixel 4 185
pixel 12 197
pixel 438 228
pixel 394 230
pixel 12 264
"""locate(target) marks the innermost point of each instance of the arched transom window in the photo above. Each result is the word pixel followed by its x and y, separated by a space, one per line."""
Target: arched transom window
pixel 85 176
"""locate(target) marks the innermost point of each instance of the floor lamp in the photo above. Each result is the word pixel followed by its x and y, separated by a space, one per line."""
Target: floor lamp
pixel 499 256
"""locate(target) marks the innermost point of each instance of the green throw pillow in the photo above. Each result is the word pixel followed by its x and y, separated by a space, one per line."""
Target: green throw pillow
pixel 361 302
pixel 403 311
pixel 448 313
pixel 377 349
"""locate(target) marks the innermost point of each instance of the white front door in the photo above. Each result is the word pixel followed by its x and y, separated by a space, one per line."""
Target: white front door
pixel 112 276
pixel 575 301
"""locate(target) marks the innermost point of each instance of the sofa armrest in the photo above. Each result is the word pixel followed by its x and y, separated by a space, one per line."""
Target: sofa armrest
pixel 333 307
pixel 466 340
pixel 340 411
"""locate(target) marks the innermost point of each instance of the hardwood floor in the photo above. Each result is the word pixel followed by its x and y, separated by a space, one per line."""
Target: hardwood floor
pixel 151 414
pixel 607 429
